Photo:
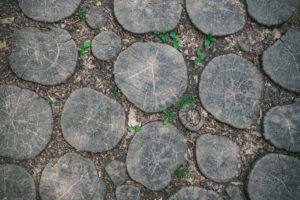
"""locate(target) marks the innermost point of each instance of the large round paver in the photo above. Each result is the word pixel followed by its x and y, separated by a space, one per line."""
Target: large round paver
pixel 72 177
pixel 230 89
pixel 154 153
pixel 282 61
pixel 45 57
pixel 217 16
pixel 195 193
pixel 91 121
pixel 275 177
pixel 271 12
pixel 152 76
pixel 25 123
pixel 16 183
pixel 282 126
pixel 96 17
pixel 127 192
pixel 48 10
pixel 218 157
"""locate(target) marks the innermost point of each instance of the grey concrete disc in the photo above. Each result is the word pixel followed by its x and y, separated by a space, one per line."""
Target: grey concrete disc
pixel 96 17
pixel 230 89
pixel 16 183
pixel 91 121
pixel 127 192
pixel 281 61
pixel 235 193
pixel 25 123
pixel 154 154
pixel 45 57
pixel 191 117
pixel 275 177
pixel 117 172
pixel 217 16
pixel 48 10
pixel 72 177
pixel 195 193
pixel 106 45
pixel 152 76
pixel 218 157
pixel 141 16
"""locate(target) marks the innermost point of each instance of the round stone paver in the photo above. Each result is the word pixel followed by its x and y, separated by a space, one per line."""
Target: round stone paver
pixel 281 61
pixel 230 89
pixel 217 16
pixel 91 121
pixel 191 117
pixel 152 76
pixel 16 183
pixel 271 12
pixel 96 17
pixel 25 123
pixel 154 154
pixel 45 57
pixel 218 157
pixel 48 10
pixel 116 171
pixel 141 16
pixel 106 45
pixel 72 177
pixel 275 177
pixel 282 126
pixel 195 193
pixel 127 192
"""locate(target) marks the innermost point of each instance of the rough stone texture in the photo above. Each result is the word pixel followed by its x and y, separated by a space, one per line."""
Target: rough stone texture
pixel 48 10
pixel 117 172
pixel 96 17
pixel 25 123
pixel 230 89
pixel 271 12
pixel 91 121
pixel 275 177
pixel 16 183
pixel 141 16
pixel 234 193
pixel 281 61
pixel 191 117
pixel 282 126
pixel 154 154
pixel 152 76
pixel 127 192
pixel 106 45
pixel 217 16
pixel 45 57
pixel 195 193
pixel 72 177
pixel 218 157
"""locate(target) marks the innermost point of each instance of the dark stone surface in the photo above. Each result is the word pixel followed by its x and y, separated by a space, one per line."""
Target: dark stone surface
pixel 230 89
pixel 154 154
pixel 25 123
pixel 117 172
pixel 195 193
pixel 127 192
pixel 91 121
pixel 45 57
pixel 152 76
pixel 96 17
pixel 191 117
pixel 234 193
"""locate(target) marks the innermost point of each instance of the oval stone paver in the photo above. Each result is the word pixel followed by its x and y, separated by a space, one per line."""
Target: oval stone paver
pixel 91 121
pixel 117 172
pixel 16 183
pixel 45 57
pixel 218 157
pixel 191 117
pixel 281 61
pixel 195 193
pixel 96 17
pixel 275 177
pixel 154 153
pixel 72 177
pixel 141 16
pixel 127 192
pixel 25 123
pixel 230 89
pixel 152 76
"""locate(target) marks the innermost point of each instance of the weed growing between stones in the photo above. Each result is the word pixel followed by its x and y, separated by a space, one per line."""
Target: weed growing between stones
pixel 82 49
pixel 163 36
pixel 180 172
pixel 81 14
pixel 167 116
pixel 208 39
pixel 136 128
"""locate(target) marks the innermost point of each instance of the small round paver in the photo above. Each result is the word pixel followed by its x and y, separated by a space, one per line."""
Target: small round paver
pixel 217 16
pixel 25 123
pixel 16 183
pixel 127 192
pixel 271 12
pixel 275 177
pixel 117 172
pixel 195 193
pixel 72 177
pixel 230 89
pixel 152 76
pixel 106 45
pixel 45 57
pixel 235 193
pixel 218 157
pixel 154 154
pixel 141 16
pixel 91 121
pixel 281 61
pixel 48 10
pixel 191 117
pixel 96 17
